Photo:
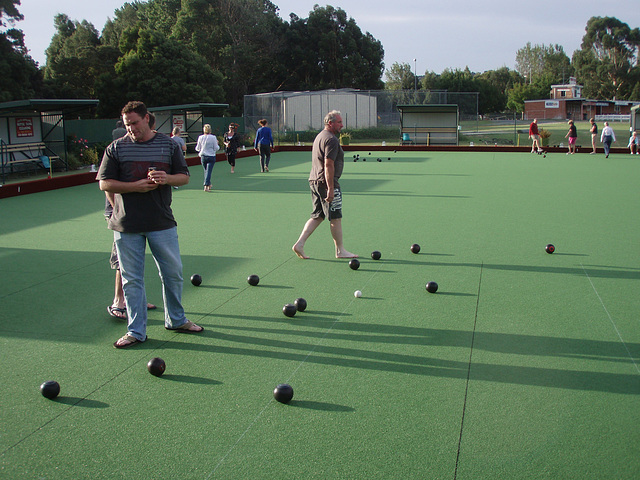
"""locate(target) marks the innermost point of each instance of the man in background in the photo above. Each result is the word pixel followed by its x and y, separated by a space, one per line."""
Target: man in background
pixel 534 135
pixel 119 131
pixel 327 163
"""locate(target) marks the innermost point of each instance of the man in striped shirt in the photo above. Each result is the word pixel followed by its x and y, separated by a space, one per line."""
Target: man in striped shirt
pixel 139 169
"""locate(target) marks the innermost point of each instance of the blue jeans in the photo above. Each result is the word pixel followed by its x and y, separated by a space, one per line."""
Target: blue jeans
pixel 164 247
pixel 606 141
pixel 207 164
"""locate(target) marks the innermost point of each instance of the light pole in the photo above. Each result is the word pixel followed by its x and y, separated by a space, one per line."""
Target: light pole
pixel 415 76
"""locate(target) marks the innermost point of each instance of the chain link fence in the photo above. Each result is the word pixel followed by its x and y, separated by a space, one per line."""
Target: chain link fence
pixel 297 116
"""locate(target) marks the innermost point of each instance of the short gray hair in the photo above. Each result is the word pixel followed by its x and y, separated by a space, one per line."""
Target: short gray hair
pixel 331 116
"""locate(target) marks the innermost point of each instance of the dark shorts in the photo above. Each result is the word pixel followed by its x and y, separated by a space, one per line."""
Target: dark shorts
pixel 321 208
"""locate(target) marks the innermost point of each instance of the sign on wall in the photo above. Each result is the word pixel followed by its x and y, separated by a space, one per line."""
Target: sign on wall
pixel 551 104
pixel 178 121
pixel 24 127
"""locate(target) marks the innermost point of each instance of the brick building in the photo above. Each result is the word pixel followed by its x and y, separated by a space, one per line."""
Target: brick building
pixel 566 102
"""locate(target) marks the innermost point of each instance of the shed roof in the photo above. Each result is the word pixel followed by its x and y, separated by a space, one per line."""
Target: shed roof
pixel 433 108
pixel 189 107
pixel 39 105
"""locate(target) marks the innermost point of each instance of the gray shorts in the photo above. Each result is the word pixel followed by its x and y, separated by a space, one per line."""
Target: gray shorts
pixel 321 208
pixel 113 261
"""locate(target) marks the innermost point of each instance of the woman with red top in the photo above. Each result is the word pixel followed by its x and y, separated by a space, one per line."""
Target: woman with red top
pixel 534 135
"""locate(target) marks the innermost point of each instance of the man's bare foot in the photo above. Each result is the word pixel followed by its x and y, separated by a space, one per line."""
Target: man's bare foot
pixel 126 341
pixel 345 254
pixel 297 249
pixel 188 327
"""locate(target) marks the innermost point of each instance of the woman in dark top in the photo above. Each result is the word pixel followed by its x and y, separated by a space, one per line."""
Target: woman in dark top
pixel 572 135
pixel 263 144
pixel 231 145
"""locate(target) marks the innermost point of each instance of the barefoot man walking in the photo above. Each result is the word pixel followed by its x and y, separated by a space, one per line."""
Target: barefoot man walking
pixel 327 162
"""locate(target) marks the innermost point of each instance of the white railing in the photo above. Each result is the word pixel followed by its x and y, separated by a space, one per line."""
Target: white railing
pixel 612 118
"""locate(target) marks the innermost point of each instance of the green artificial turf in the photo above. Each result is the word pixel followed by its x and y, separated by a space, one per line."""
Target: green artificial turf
pixel 523 364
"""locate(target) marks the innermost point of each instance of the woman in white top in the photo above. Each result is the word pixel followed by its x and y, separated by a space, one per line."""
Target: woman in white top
pixel 207 147
pixel 607 137
pixel 634 144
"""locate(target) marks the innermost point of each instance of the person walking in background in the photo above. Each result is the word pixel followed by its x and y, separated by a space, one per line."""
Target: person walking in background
pixel 572 135
pixel 634 143
pixel 594 134
pixel 139 169
pixel 534 135
pixel 119 131
pixel 327 163
pixel 263 144
pixel 207 146
pixel 231 145
pixel 607 138
pixel 176 137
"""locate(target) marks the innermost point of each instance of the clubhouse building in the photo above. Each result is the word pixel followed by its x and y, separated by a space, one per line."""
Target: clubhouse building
pixel 566 102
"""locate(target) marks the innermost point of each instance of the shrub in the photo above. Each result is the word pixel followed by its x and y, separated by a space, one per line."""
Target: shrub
pixel 79 148
pixel 544 136
pixel 90 157
pixel 73 161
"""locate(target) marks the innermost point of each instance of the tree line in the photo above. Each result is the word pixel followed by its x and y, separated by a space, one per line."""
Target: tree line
pixel 196 51
pixel 606 65
pixel 186 51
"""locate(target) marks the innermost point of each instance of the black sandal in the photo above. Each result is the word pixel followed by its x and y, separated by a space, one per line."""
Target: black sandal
pixel 114 311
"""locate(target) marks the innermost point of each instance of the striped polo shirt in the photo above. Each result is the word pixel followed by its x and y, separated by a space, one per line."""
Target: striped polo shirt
pixel 129 161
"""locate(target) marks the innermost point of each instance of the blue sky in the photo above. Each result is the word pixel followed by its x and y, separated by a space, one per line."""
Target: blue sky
pixel 437 34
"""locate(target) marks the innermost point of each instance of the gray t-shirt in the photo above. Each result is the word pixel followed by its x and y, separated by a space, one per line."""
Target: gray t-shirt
pixel 180 141
pixel 326 145
pixel 129 161
pixel 118 132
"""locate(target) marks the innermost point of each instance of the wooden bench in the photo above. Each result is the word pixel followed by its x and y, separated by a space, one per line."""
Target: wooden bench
pixel 429 135
pixel 25 154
